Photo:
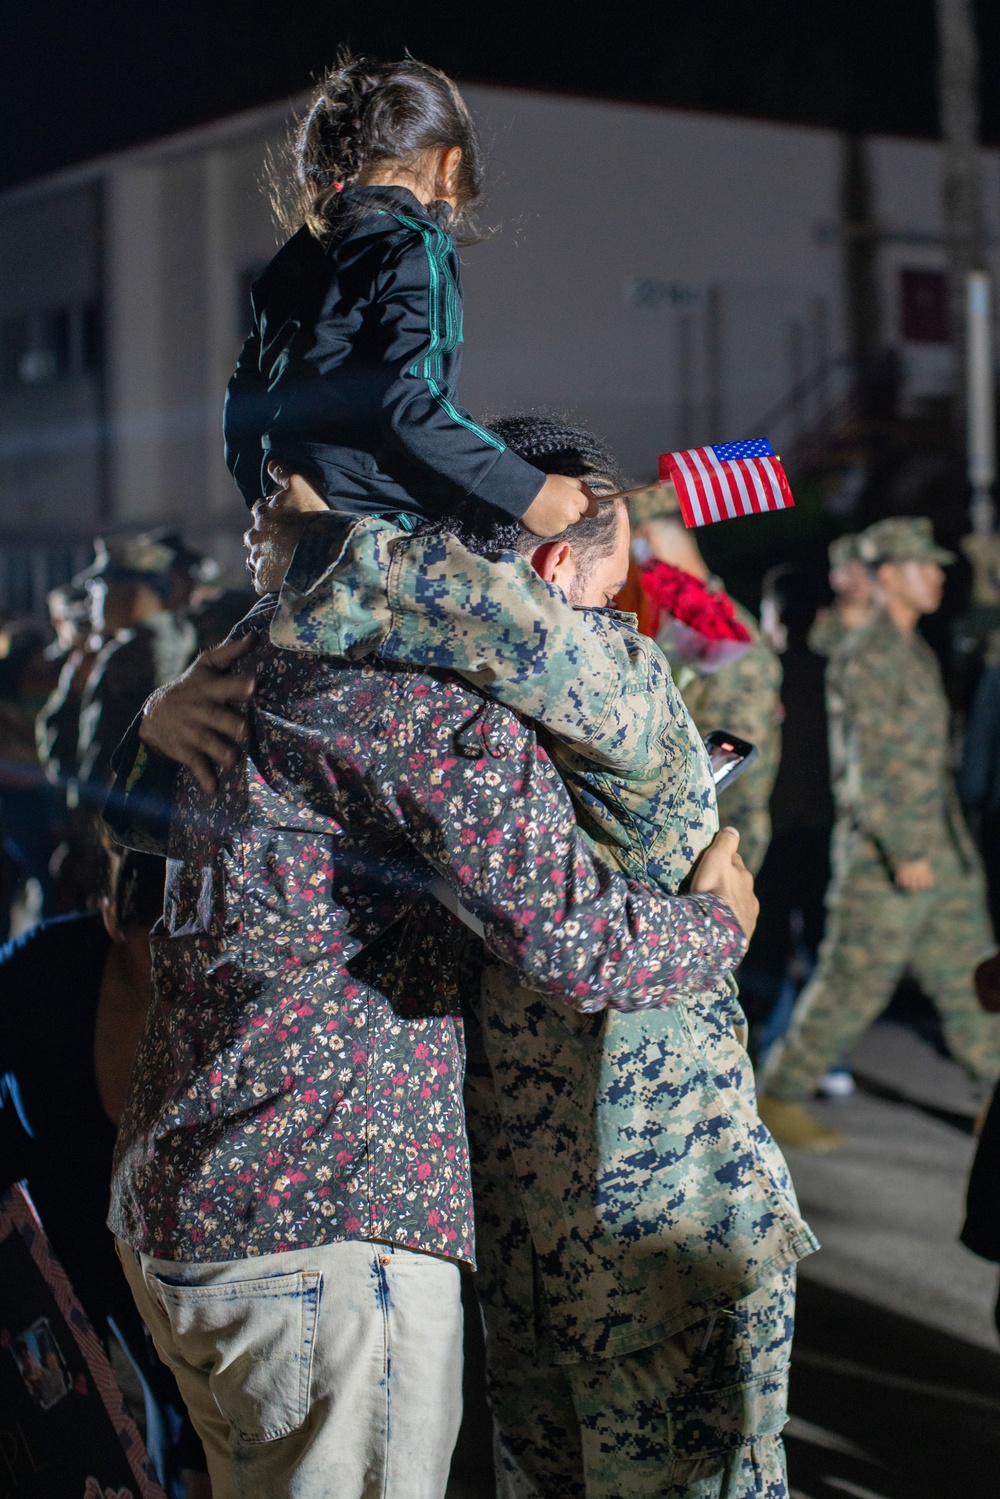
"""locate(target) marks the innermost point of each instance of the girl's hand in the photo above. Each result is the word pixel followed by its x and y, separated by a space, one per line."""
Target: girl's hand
pixel 278 523
pixel 560 503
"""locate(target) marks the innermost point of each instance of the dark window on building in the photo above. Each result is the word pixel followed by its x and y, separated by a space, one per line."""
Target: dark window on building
pixel 91 336
pixel 924 306
pixel 39 347
pixel 46 351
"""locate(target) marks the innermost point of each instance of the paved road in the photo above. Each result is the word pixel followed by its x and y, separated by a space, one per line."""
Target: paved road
pixel 896 1368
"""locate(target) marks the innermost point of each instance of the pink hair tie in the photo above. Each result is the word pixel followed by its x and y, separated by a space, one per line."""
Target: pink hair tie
pixel 338 187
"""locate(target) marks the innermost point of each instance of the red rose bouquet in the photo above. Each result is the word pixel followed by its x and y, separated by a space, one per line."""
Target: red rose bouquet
pixel 693 624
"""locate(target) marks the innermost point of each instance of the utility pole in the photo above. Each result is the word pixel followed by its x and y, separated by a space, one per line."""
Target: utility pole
pixel 860 252
pixel 969 293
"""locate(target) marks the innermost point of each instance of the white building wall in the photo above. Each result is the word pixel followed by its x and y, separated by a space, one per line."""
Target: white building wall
pixel 134 318
pixel 50 267
pixel 185 224
pixel 666 276
pixel 650 268
pixel 652 271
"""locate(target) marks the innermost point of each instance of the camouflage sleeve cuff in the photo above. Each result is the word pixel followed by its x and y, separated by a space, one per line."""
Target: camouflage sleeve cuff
pixel 893 835
pixel 333 600
pixel 911 856
pixel 320 548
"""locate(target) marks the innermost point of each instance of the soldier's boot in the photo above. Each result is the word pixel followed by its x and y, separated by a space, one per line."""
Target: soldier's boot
pixel 792 1124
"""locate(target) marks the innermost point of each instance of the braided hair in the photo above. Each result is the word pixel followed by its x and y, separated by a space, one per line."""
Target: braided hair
pixel 555 445
pixel 366 112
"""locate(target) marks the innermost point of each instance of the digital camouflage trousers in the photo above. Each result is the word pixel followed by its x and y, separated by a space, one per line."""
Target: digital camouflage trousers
pixel 698 1416
pixel 875 932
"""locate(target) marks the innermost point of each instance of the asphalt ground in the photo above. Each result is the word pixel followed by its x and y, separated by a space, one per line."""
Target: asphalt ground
pixel 895 1389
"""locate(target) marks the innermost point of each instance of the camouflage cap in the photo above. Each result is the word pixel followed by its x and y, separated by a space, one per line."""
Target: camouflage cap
pixel 901 538
pixel 844 549
pixel 148 555
pixel 655 502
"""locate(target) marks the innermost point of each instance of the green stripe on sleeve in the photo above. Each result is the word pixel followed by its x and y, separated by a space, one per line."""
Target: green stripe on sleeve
pixel 428 367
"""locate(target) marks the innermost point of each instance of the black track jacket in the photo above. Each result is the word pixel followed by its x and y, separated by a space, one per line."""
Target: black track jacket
pixel 349 374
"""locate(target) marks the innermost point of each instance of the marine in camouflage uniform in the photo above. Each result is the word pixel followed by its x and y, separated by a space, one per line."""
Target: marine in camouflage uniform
pixel 743 696
pixel 831 628
pixel 150 650
pixel 636 1225
pixel 896 804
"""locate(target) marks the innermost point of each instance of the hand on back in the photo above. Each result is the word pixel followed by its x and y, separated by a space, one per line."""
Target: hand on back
pixel 196 719
pixel 720 871
pixel 560 502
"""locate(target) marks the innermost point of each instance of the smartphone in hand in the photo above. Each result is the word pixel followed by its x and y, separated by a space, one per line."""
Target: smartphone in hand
pixel 730 756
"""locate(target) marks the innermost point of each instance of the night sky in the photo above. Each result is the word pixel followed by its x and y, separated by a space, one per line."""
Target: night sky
pixel 81 79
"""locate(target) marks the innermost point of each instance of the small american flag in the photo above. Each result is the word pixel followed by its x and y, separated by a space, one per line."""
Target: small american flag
pixel 730 479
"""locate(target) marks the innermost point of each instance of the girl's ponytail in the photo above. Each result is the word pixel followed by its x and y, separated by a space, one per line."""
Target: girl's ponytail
pixel 363 114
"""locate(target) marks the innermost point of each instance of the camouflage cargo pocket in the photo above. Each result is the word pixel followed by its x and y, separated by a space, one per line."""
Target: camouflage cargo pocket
pixel 707 1423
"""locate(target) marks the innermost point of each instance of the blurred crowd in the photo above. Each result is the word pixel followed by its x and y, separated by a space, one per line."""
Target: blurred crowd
pixel 129 622
pixel 149 603
pixel 132 620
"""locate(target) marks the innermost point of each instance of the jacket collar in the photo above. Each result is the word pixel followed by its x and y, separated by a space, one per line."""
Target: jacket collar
pixel 359 201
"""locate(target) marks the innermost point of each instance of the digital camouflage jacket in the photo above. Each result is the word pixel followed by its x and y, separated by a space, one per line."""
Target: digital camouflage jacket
pixel 649 1192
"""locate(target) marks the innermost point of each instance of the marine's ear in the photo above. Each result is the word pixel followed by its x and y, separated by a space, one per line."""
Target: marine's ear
pixel 553 562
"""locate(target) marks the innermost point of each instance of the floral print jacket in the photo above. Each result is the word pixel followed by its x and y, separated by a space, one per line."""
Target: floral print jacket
pixel 280 1097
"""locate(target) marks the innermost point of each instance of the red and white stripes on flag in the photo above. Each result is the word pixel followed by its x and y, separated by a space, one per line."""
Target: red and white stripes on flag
pixel 727 480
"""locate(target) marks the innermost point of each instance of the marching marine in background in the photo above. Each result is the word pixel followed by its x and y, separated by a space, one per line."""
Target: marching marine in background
pixel 853 598
pixel 57 726
pixel 140 588
pixel 742 695
pixel 907 888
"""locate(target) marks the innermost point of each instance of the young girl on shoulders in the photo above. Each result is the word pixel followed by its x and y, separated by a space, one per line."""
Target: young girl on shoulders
pixel 348 377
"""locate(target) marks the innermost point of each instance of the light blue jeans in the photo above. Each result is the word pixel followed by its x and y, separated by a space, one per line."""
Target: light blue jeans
pixel 325 1373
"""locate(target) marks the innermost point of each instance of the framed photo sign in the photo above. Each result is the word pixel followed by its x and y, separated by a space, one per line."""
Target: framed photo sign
pixel 64 1429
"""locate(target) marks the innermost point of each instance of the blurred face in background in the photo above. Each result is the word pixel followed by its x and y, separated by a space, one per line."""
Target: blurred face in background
pixel 915 585
pixel 69 623
pixel 117 604
pixel 852 584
